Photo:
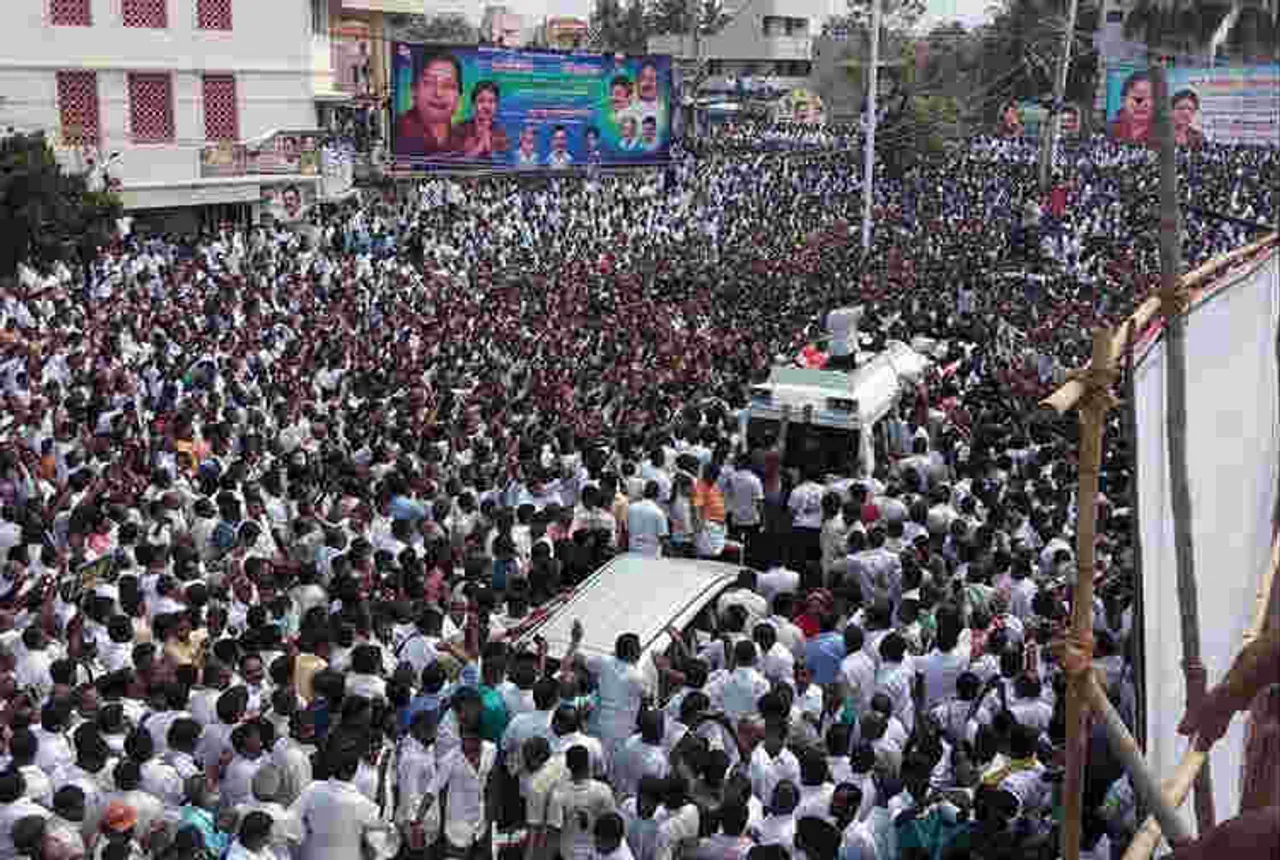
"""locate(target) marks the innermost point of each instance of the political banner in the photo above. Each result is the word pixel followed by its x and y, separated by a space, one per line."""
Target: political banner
pixel 285 152
pixel 496 108
pixel 1220 105
pixel 290 203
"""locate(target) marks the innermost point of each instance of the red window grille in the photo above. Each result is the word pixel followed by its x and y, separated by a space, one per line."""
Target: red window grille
pixel 78 106
pixel 70 13
pixel 151 108
pixel 221 113
pixel 213 14
pixel 153 14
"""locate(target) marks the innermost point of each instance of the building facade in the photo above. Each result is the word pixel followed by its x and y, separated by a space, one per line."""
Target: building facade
pixel 140 92
pixel 765 40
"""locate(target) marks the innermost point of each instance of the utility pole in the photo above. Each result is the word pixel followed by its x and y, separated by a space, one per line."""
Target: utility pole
pixel 869 139
pixel 694 70
pixel 1049 136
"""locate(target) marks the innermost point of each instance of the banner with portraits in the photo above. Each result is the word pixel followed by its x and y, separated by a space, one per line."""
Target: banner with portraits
pixel 496 108
pixel 1220 105
pixel 288 203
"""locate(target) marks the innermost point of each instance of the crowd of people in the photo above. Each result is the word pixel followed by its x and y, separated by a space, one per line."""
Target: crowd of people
pixel 276 505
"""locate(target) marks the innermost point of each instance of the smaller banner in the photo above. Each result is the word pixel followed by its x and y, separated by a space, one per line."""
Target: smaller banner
pixel 289 203
pixel 285 152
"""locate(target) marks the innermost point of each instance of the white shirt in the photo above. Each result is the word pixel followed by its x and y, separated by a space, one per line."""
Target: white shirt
pixel 620 688
pixel 573 810
pixel 806 505
pixel 646 525
pixel 11 814
pixel 415 773
pixel 465 820
pixel 941 670
pixel 746 493
pixel 775 581
pixel 778 664
pixel 338 823
pixel 740 692
pixel 636 760
pixel 767 771
pixel 858 671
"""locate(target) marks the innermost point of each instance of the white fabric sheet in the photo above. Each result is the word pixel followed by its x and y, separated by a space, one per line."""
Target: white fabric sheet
pixel 1233 448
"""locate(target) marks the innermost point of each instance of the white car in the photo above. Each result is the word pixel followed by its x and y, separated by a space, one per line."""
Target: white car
pixel 633 594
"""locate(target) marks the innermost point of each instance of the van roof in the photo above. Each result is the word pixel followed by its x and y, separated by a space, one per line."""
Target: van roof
pixel 632 594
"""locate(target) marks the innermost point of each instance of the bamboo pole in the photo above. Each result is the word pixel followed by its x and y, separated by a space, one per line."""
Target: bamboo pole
pixel 1126 748
pixel 1173 305
pixel 1093 408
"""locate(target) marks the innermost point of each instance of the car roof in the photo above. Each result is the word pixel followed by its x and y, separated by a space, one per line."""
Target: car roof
pixel 632 594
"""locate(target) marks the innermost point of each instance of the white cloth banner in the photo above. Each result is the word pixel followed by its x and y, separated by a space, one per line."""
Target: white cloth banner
pixel 1233 452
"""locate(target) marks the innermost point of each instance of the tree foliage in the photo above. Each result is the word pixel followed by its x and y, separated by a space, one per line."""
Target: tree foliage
pixel 618 27
pixel 672 16
pixel 1015 56
pixel 900 16
pixel 443 29
pixel 47 214
pixel 1185 28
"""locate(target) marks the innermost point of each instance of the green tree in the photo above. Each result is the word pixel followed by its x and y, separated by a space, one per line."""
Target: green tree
pixel 900 16
pixel 668 16
pixel 672 16
pixel 618 28
pixel 1186 29
pixel 47 214
pixel 443 29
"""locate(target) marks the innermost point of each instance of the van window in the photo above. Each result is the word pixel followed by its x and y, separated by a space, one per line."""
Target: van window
pixel 833 449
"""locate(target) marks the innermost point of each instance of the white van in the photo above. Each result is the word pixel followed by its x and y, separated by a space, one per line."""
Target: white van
pixel 844 434
pixel 633 594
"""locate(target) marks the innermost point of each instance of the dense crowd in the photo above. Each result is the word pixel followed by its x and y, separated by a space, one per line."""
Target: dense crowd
pixel 276 504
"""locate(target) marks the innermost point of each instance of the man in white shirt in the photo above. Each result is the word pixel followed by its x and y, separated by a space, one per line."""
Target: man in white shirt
pixel 14 807
pixel 777 663
pixel 805 504
pixel 577 804
pixel 744 594
pixel 857 671
pixel 609 841
pixel 647 525
pixel 772 762
pixel 465 774
pixel 739 693
pixel 745 499
pixel 338 821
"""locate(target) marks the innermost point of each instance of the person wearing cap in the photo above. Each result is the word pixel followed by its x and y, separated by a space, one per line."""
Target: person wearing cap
pixel 117 833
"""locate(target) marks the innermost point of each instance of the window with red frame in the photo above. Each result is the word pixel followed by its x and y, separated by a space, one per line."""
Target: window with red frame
pixel 213 14
pixel 70 13
pixel 221 113
pixel 153 14
pixel 78 107
pixel 151 108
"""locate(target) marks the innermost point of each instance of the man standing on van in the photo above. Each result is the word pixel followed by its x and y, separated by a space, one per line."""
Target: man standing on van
pixel 647 524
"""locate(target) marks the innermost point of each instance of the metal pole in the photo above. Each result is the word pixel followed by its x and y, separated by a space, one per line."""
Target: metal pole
pixel 1049 138
pixel 1144 782
pixel 869 140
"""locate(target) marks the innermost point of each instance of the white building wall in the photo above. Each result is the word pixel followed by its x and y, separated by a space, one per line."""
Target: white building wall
pixel 268 50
